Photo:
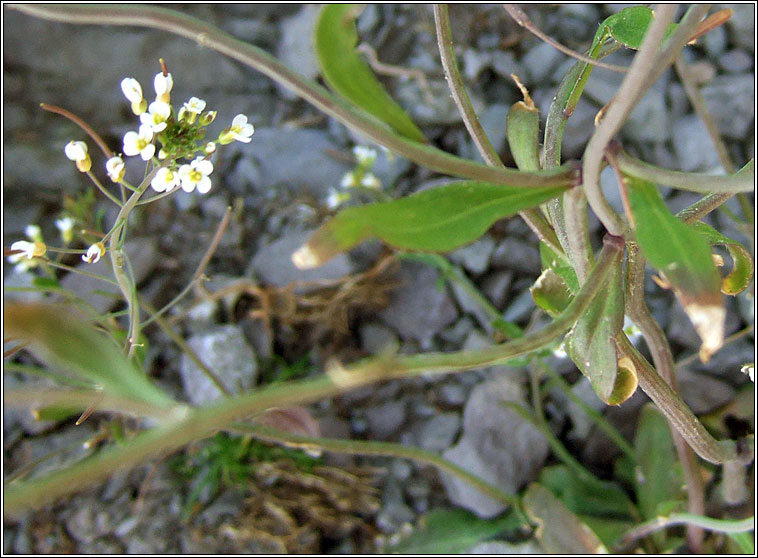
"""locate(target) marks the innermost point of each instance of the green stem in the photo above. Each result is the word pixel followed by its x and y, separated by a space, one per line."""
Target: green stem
pixel 693 182
pixel 676 411
pixel 457 89
pixel 626 98
pixel 208 35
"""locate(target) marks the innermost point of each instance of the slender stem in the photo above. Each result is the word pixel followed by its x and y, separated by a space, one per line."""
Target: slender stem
pixel 638 312
pixel 703 207
pixel 102 188
pixel 520 17
pixel 676 411
pixel 82 124
pixel 626 98
pixel 577 233
pixel 207 35
pixel 457 89
pixel 361 447
pixel 693 182
pixel 81 271
pixel 653 525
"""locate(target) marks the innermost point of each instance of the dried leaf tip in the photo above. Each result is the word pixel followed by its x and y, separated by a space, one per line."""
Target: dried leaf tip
pixel 709 324
pixel 305 258
pixel 525 92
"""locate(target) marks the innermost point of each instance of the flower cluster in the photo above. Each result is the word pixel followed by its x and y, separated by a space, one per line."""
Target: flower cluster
pixel 360 177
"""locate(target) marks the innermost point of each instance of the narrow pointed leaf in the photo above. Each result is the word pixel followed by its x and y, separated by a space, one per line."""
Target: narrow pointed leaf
pixel 683 255
pixel 742 262
pixel 591 345
pixel 658 473
pixel 348 74
pixel 73 346
pixel 435 220
pixel 558 529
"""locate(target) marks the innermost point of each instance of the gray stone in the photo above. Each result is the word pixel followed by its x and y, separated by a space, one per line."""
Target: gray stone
pixel 458 332
pixel 418 309
pixel 715 41
pixel 439 432
pixel 395 512
pixel 578 129
pixel 474 62
pixel 703 393
pixel 495 287
pixel 273 265
pixel 518 255
pixel 539 62
pixel 496 445
pixel 475 257
pixel 742 25
pixel 504 64
pixel 453 394
pixel 735 61
pixel 469 305
pixel 693 145
pixel 502 547
pixel 520 307
pixel 493 122
pixel 680 328
pixel 610 186
pixel 226 353
pixel 731 102
pixel 376 338
pixel 384 420
pixel 296 45
pixel 439 109
pixel 649 121
pixel 294 159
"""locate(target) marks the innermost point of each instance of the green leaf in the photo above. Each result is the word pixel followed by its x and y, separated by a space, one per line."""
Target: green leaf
pixel 600 498
pixel 73 345
pixel 659 476
pixel 742 267
pixel 591 345
pixel 558 529
pixel 452 532
pixel 348 75
pixel 679 251
pixel 434 220
pixel 629 27
pixel 551 293
pixel 46 283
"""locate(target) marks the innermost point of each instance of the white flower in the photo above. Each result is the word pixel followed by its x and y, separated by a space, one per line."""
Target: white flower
pixel 370 181
pixel 115 168
pixel 133 92
pixel 209 148
pixel 138 143
pixel 163 85
pixel 94 253
pixel 336 198
pixel 66 226
pixel 240 130
pixel 25 261
pixel 34 232
pixel 77 151
pixel 349 180
pixel 158 113
pixel 364 155
pixel 165 180
pixel 195 175
pixel 191 109
pixel 749 369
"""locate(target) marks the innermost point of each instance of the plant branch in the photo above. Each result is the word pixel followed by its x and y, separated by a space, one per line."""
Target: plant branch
pixel 626 98
pixel 690 181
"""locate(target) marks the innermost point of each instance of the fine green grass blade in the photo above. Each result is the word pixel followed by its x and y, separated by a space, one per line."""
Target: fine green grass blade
pixel 659 475
pixel 348 75
pixel 683 255
pixel 74 346
pixel 742 262
pixel 434 220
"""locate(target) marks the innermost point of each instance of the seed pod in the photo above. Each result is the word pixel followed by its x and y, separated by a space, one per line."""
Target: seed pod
pixel 522 128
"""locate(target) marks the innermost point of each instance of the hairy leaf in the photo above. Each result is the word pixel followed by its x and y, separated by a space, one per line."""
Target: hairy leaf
pixel 435 220
pixel 348 75
pixel 683 255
